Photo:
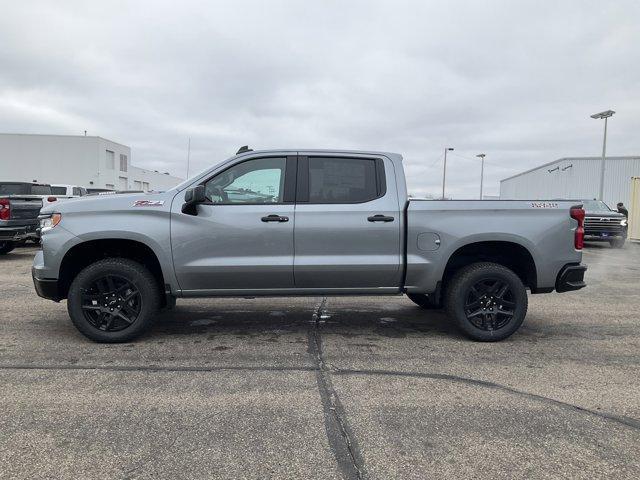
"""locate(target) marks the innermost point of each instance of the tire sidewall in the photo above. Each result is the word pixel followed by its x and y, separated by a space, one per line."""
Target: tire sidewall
pixel 134 273
pixel 461 288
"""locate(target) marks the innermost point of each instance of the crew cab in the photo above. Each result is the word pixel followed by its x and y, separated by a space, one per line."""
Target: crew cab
pixel 304 222
pixel 20 204
pixel 601 224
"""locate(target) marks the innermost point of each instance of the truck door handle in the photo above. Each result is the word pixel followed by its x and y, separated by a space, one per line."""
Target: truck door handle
pixel 380 218
pixel 275 218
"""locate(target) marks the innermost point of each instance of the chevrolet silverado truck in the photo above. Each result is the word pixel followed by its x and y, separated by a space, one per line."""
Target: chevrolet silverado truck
pixel 601 224
pixel 20 204
pixel 304 222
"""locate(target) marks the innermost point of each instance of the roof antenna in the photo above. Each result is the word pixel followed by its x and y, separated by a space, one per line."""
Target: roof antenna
pixel 188 156
pixel 243 149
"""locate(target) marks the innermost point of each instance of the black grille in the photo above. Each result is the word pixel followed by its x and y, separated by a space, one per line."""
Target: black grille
pixel 600 224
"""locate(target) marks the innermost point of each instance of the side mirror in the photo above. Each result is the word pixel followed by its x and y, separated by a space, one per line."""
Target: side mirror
pixel 192 197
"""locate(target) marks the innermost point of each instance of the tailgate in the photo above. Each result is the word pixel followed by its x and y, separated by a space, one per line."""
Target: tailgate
pixel 25 208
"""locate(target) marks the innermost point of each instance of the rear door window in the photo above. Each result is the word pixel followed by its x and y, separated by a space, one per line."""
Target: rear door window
pixel 342 180
pixel 40 189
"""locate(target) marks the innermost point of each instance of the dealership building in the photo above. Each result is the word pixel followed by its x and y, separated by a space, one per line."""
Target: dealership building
pixel 575 178
pixel 86 161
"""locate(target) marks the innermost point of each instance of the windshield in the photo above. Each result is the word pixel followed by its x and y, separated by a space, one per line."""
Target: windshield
pixel 595 206
pixel 189 180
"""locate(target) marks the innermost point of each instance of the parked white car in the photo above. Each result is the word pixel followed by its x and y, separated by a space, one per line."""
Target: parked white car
pixel 62 192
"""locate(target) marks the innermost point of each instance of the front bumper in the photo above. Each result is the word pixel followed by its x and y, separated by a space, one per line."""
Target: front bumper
pixel 45 287
pixel 603 236
pixel 571 277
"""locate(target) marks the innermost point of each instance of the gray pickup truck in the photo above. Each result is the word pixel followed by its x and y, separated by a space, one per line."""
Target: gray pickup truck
pixel 312 222
pixel 20 204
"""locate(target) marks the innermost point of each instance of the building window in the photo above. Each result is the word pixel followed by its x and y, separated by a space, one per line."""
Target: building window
pixel 145 186
pixel 110 160
pixel 110 186
pixel 123 163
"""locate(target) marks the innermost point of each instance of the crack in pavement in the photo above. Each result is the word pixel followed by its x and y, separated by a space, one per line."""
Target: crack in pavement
pixel 621 419
pixel 342 441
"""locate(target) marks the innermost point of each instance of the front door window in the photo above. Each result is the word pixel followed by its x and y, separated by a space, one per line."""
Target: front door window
pixel 259 181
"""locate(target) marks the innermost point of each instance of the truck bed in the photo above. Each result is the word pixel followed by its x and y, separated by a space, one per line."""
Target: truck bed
pixel 436 229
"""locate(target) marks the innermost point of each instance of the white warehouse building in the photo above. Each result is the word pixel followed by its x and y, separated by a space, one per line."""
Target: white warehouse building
pixel 90 162
pixel 575 178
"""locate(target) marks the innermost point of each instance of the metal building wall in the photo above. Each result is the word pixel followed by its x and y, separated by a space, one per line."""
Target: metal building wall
pixel 574 178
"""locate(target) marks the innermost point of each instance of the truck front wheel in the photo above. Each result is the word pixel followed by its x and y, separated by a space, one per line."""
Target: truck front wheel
pixel 113 300
pixel 487 301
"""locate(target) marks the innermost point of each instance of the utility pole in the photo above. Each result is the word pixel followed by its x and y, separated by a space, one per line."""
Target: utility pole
pixel 606 114
pixel 444 170
pixel 188 156
pixel 481 156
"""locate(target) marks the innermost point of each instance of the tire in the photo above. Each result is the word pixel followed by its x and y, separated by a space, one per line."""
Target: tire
pixel 114 285
pixel 423 300
pixel 6 247
pixel 617 242
pixel 490 322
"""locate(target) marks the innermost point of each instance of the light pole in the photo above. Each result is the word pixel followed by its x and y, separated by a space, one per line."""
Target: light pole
pixel 444 170
pixel 606 114
pixel 481 157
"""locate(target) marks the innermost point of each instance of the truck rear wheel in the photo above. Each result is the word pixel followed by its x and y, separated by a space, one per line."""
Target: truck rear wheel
pixel 113 300
pixel 487 301
pixel 6 247
pixel 423 300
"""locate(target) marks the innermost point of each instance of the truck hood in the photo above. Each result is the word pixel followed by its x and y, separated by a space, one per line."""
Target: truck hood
pixel 111 202
pixel 604 214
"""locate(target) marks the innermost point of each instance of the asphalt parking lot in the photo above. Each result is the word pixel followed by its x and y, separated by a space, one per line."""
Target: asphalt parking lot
pixel 354 387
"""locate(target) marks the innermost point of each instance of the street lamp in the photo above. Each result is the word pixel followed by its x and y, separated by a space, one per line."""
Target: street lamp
pixel 444 171
pixel 606 114
pixel 481 156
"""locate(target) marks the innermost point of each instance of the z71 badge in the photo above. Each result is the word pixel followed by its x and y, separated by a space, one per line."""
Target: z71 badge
pixel 148 203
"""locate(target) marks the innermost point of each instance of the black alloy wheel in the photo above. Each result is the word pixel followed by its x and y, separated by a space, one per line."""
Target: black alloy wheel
pixel 490 304
pixel 111 303
pixel 114 300
pixel 487 301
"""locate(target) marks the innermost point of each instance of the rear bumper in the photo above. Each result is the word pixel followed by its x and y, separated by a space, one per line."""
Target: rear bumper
pixel 14 234
pixel 571 277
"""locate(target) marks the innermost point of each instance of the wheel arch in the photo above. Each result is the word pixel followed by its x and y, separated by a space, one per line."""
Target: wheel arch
pixel 87 252
pixel 508 253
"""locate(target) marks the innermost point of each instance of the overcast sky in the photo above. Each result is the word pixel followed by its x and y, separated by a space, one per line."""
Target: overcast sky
pixel 513 79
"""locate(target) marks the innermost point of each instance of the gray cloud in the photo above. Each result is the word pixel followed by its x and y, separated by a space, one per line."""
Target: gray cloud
pixel 515 80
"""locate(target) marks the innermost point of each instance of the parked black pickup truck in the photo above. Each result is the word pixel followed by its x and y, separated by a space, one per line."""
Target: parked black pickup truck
pixel 20 204
pixel 601 224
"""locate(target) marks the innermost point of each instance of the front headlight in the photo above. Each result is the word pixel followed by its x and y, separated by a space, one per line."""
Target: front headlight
pixel 623 222
pixel 50 221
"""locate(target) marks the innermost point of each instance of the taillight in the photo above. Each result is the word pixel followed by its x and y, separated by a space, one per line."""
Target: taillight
pixel 577 213
pixel 5 209
pixel 51 199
